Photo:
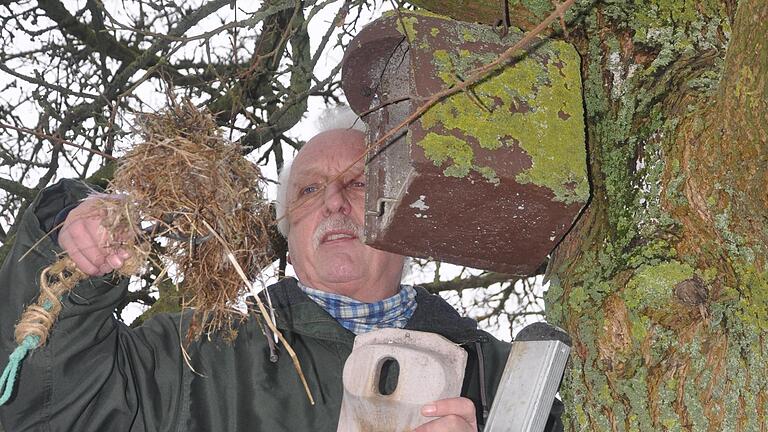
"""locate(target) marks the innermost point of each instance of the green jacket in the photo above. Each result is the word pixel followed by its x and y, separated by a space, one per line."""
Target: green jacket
pixel 97 374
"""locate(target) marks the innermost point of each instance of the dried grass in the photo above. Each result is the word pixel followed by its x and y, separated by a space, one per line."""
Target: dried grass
pixel 185 173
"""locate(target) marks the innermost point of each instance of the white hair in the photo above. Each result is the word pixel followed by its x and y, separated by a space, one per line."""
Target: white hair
pixel 337 117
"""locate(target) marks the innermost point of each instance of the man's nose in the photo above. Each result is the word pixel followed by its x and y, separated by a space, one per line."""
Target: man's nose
pixel 335 199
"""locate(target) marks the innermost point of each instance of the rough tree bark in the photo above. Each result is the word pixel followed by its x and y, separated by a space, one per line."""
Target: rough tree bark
pixel 663 283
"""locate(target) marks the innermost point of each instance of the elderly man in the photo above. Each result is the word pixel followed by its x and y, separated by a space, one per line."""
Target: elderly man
pixel 97 374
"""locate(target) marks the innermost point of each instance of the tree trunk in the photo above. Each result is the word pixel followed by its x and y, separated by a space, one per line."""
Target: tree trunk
pixel 662 283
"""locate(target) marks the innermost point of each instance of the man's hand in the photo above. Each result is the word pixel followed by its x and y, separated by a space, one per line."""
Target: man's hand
pixel 86 241
pixel 454 414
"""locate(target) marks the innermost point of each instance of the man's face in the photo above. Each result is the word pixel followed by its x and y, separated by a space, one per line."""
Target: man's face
pixel 326 219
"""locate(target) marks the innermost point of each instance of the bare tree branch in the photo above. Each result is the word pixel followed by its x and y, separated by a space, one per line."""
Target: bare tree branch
pixel 459 284
pixel 16 188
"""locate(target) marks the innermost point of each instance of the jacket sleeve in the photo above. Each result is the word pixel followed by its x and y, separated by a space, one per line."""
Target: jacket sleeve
pixel 94 373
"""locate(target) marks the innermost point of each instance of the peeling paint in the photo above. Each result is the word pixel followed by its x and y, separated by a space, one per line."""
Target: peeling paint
pixel 420 203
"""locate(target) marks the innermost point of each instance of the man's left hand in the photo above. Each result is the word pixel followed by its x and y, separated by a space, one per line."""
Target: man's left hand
pixel 454 414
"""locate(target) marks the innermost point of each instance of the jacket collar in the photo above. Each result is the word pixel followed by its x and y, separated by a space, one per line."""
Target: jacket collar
pixel 296 312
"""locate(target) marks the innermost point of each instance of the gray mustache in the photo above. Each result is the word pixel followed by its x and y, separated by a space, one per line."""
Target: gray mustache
pixel 336 222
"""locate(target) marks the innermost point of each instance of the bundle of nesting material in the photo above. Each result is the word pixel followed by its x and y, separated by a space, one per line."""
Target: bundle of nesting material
pixel 188 185
pixel 197 190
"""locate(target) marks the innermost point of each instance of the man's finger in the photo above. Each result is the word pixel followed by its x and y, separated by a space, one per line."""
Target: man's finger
pixel 460 406
pixel 71 247
pixel 84 263
pixel 114 261
pixel 90 243
pixel 455 414
pixel 449 423
pixel 83 238
pixel 104 269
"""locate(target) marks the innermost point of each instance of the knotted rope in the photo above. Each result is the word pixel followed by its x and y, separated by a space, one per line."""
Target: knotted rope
pixel 55 281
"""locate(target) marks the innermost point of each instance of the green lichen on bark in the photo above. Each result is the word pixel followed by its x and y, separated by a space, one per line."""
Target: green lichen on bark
pixel 533 104
pixel 651 285
pixel 752 307
pixel 169 301
pixel 696 367
pixel 539 8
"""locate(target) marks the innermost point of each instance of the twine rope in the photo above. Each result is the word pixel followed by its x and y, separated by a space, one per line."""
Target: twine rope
pixel 35 324
pixel 56 280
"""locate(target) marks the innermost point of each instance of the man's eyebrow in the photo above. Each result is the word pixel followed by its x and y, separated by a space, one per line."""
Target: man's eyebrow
pixel 305 175
pixel 323 175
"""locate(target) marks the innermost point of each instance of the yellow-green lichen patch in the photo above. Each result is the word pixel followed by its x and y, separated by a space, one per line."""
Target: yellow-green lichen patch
pixel 409 19
pixel 446 74
pixel 407 26
pixel 654 252
pixel 639 326
pixel 753 301
pixel 535 104
pixel 451 65
pixel 488 173
pixel 468 36
pixel 652 286
pixel 579 297
pixel 457 154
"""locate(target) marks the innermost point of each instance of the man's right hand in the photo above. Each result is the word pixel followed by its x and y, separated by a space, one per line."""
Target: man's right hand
pixel 87 242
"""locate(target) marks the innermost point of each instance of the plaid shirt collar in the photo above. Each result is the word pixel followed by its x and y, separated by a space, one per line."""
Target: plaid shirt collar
pixel 359 317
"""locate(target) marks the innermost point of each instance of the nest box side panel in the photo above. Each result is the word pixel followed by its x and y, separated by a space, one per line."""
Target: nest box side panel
pixel 377 68
pixel 533 107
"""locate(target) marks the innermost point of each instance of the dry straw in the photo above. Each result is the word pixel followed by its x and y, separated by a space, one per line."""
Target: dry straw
pixel 183 174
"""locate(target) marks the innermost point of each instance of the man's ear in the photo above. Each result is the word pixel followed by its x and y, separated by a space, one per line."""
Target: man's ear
pixel 288 258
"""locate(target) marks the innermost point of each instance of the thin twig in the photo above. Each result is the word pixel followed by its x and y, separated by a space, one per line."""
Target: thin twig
pixel 383 104
pixel 56 140
pixel 43 83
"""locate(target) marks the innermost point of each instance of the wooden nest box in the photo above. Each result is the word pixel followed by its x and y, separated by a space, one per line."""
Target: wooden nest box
pixel 491 178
